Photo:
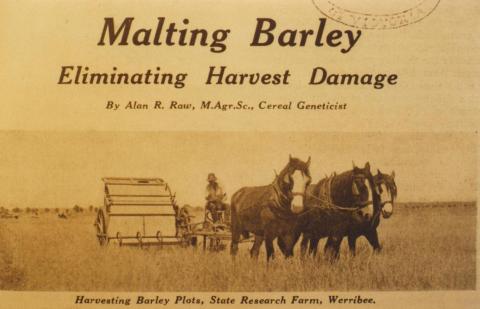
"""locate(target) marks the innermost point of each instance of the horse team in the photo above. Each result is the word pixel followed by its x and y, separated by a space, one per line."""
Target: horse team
pixel 349 205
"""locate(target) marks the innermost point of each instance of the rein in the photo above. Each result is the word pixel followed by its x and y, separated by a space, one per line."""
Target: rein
pixel 386 202
pixel 281 209
pixel 327 199
pixel 332 205
pixel 376 216
pixel 277 190
pixel 279 196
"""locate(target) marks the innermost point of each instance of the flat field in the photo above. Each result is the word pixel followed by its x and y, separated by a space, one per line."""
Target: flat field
pixel 424 248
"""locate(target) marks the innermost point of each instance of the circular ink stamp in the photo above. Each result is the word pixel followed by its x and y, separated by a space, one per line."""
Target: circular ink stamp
pixel 376 14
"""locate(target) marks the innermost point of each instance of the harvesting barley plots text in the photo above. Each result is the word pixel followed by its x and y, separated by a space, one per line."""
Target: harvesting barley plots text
pixel 220 76
pixel 223 300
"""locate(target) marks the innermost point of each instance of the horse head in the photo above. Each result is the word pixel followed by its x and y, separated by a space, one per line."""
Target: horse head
pixel 293 181
pixel 364 191
pixel 387 190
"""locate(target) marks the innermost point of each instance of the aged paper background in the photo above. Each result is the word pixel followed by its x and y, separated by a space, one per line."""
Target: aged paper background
pixel 436 60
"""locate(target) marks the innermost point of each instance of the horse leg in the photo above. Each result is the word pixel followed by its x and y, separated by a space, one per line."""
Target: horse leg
pixel 288 240
pixel 234 245
pixel 281 244
pixel 328 245
pixel 313 245
pixel 269 247
pixel 304 245
pixel 255 251
pixel 372 237
pixel 269 237
pixel 332 248
pixel 352 243
pixel 336 247
pixel 235 238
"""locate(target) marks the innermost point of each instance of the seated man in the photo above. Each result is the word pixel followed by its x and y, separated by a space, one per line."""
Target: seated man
pixel 215 198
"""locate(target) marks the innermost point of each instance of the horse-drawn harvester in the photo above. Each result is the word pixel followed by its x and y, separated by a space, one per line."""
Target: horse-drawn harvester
pixel 143 211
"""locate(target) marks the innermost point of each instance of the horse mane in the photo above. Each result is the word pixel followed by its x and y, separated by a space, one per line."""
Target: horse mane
pixel 339 182
pixel 293 164
pixel 281 197
pixel 392 187
pixel 390 183
pixel 343 179
pixel 282 173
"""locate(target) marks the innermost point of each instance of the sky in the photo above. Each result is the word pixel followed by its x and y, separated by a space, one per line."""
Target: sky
pixel 62 169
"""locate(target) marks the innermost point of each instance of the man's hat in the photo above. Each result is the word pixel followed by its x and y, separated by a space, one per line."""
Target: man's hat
pixel 211 177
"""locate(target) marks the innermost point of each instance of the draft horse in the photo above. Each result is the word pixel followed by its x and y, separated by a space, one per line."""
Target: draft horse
pixel 333 205
pixel 387 190
pixel 270 211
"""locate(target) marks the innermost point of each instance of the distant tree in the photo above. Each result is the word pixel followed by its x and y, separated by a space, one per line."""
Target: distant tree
pixel 77 208
pixel 16 210
pixel 46 210
pixel 28 210
pixel 90 208
pixel 57 210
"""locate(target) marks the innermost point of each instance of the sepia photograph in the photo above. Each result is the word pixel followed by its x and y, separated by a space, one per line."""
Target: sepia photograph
pixel 237 211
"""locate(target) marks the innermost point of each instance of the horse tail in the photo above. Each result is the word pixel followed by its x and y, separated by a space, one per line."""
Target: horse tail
pixel 234 223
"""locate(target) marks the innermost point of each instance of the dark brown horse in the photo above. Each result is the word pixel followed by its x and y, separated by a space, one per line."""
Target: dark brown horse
pixel 317 223
pixel 270 211
pixel 388 192
pixel 333 205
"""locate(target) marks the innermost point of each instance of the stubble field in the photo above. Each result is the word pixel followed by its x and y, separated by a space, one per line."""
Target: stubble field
pixel 424 248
